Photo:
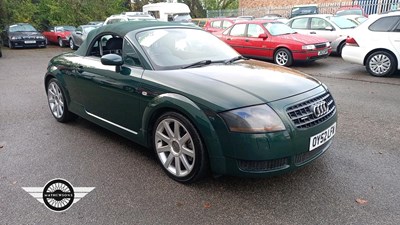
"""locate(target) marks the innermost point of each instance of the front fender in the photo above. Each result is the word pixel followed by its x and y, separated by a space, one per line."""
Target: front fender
pixel 199 117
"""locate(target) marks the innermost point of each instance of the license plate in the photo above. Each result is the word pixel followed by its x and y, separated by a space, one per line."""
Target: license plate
pixel 321 138
pixel 323 52
pixel 29 42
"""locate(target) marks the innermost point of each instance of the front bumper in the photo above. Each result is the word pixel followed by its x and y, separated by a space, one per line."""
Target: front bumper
pixel 27 43
pixel 307 56
pixel 269 154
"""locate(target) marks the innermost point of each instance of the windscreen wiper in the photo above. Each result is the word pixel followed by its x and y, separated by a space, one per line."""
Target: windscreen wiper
pixel 199 63
pixel 236 58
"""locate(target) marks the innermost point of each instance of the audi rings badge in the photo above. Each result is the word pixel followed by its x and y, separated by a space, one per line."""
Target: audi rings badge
pixel 319 109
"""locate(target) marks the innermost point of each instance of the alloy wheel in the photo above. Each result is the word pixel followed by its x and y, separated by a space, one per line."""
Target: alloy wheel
pixel 380 64
pixel 55 99
pixel 174 147
pixel 282 58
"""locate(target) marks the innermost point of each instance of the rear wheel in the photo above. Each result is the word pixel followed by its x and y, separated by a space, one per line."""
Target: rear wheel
pixel 381 63
pixel 179 148
pixel 57 103
pixel 283 57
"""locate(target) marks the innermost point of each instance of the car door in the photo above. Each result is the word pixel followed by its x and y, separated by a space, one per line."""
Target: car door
pixel 236 38
pixel 111 95
pixel 256 46
pixel 323 28
pixel 300 25
pixel 77 36
pixel 394 37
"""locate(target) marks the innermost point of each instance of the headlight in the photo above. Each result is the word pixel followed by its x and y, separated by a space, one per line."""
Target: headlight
pixel 328 44
pixel 254 119
pixel 39 37
pixel 15 38
pixel 308 47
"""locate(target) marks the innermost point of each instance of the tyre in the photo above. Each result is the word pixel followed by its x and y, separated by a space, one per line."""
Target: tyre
pixel 340 48
pixel 283 57
pixel 1 54
pixel 10 44
pixel 381 64
pixel 61 43
pixel 56 100
pixel 179 148
pixel 72 44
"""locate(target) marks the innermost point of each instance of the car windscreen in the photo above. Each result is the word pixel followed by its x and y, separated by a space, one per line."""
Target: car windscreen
pixel 278 28
pixel 175 48
pixel 306 10
pixel 182 17
pixel 349 12
pixel 342 23
pixel 68 28
pixel 22 28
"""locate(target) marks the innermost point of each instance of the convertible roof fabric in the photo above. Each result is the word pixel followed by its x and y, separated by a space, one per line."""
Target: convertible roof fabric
pixel 122 28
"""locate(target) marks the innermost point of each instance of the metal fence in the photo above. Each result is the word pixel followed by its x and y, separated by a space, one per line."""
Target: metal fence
pixel 369 6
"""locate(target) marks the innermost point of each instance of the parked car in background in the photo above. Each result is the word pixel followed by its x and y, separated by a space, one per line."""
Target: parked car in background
pixel 351 10
pixel 79 35
pixel 355 18
pixel 58 34
pixel 275 17
pixel 98 23
pixel 168 11
pixel 201 22
pixel 22 35
pixel 333 28
pixel 193 100
pixel 268 39
pixel 376 44
pixel 299 10
pixel 128 16
pixel 218 24
pixel 241 18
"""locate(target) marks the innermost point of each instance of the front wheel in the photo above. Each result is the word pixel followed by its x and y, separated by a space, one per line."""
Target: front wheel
pixel 57 103
pixel 179 148
pixel 381 63
pixel 10 44
pixel 72 44
pixel 283 57
pixel 61 42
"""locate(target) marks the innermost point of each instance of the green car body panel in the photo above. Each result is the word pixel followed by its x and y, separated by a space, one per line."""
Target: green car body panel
pixel 129 101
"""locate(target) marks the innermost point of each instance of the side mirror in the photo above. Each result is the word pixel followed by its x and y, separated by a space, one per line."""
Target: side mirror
pixel 329 28
pixel 263 36
pixel 112 60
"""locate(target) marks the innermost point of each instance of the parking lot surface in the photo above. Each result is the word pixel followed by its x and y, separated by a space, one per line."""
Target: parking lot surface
pixel 356 181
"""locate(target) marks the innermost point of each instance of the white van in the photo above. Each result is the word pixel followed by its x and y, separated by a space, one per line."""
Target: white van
pixel 164 11
pixel 128 16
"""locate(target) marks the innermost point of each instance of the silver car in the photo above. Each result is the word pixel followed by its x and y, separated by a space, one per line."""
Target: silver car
pixel 334 28
pixel 79 35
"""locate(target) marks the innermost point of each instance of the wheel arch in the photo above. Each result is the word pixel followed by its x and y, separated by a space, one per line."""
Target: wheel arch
pixel 380 49
pixel 183 105
pixel 282 47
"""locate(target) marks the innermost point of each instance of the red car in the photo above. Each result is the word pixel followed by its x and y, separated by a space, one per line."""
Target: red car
pixel 268 39
pixel 58 35
pixel 218 24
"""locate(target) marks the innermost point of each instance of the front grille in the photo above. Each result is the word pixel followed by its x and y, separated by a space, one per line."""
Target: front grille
pixel 303 157
pixel 266 165
pixel 322 45
pixel 302 115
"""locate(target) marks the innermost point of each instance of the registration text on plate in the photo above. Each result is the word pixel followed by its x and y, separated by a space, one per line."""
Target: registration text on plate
pixel 323 52
pixel 319 139
pixel 29 42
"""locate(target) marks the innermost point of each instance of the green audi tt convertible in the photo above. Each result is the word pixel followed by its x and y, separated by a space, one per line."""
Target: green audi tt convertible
pixel 192 99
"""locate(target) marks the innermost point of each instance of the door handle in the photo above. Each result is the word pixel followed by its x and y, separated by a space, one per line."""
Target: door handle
pixel 228 39
pixel 247 40
pixel 313 32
